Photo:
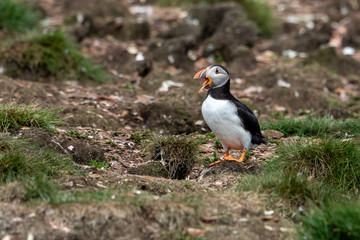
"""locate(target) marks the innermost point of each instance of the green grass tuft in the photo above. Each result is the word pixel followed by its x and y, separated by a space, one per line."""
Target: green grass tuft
pixel 51 56
pixel 178 153
pixel 333 161
pixel 22 160
pixel 98 164
pixel 139 136
pixel 309 172
pixel 260 13
pixel 291 188
pixel 314 126
pixel 17 16
pixel 13 117
pixel 41 188
pixel 335 221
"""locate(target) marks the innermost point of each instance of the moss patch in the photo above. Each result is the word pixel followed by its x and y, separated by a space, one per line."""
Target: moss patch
pixel 155 169
pixel 16 16
pixel 49 57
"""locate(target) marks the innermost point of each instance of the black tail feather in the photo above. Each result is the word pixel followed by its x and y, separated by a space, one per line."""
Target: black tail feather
pixel 257 139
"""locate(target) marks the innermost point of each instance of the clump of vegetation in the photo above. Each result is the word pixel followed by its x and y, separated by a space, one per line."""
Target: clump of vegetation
pixel 309 172
pixel 138 135
pixel 211 160
pixel 217 142
pixel 13 117
pixel 110 142
pixel 261 14
pixel 314 126
pixel 333 161
pixel 334 221
pixel 21 159
pixel 17 16
pixel 293 188
pixel 41 188
pixel 177 153
pixel 99 164
pixel 76 134
pixel 257 11
pixel 155 169
pixel 52 56
pixel 298 190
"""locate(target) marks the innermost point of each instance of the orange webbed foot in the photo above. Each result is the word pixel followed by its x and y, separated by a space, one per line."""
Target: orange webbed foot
pixel 229 158
pixel 214 163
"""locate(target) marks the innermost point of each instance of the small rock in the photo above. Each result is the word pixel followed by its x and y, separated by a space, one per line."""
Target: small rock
pixel 218 183
pixel 167 84
pixel 195 232
pixel 139 57
pixel 115 165
pixel 290 54
pixel 273 134
pixel 205 149
pixel 266 57
pixel 348 51
pixel 267 227
pixel 199 122
pixel 69 184
pixel 208 219
pixel 145 99
pixel 30 236
pixel 253 89
pixel 270 212
pixel 282 83
pixel 17 219
pixel 6 237
pixel 279 108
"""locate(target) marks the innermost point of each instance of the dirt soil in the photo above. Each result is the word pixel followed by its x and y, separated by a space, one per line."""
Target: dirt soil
pixel 154 90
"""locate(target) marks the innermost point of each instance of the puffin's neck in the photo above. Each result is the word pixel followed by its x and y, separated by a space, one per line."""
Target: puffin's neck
pixel 222 92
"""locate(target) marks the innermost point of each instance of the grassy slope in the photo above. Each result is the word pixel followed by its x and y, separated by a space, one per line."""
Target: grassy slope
pixel 308 173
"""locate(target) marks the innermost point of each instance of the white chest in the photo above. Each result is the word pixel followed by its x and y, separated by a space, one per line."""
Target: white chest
pixel 222 118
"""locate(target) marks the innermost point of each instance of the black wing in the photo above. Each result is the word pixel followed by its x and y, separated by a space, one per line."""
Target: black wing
pixel 248 118
pixel 250 121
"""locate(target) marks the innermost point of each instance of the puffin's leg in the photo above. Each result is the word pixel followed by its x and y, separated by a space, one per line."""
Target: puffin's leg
pixel 242 156
pixel 228 157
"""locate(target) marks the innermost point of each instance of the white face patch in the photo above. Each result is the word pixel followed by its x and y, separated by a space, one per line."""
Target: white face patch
pixel 218 76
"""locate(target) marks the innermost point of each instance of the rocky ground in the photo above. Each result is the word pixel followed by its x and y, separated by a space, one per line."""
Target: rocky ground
pixel 311 64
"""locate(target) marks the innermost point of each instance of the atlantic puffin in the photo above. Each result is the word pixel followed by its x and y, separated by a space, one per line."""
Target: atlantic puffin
pixel 232 122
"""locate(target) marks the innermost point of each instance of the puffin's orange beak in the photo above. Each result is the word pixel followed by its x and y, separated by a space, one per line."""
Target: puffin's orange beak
pixel 206 84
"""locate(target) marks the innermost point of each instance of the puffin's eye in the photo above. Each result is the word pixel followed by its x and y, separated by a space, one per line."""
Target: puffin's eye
pixel 216 71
